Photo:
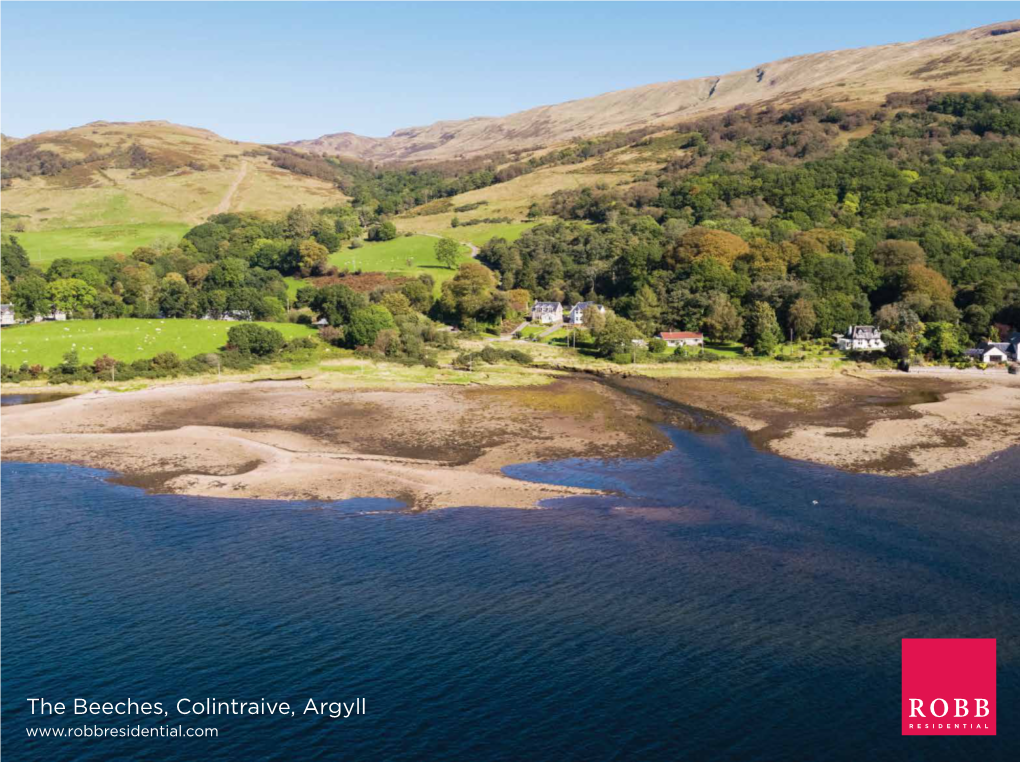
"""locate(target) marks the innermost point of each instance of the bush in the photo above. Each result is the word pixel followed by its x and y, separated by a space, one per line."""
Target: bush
pixel 332 335
pixel 656 345
pixel 254 339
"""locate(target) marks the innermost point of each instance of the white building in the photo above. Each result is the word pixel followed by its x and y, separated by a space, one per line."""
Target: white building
pixel 576 315
pixel 992 352
pixel 6 314
pixel 861 338
pixel 683 338
pixel 547 313
pixel 57 315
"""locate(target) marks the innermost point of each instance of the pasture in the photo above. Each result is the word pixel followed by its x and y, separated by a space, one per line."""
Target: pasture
pixel 406 255
pixel 126 339
pixel 43 246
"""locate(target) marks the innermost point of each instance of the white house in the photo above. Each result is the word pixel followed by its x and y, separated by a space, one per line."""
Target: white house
pixel 547 312
pixel 683 338
pixel 991 352
pixel 576 315
pixel 57 315
pixel 861 338
pixel 6 314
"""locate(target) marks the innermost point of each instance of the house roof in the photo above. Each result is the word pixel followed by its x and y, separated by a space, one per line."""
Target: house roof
pixel 584 305
pixel 674 335
pixel 547 306
pixel 863 332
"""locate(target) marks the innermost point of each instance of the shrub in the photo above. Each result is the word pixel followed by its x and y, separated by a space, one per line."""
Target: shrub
pixel 656 345
pixel 255 339
pixel 332 335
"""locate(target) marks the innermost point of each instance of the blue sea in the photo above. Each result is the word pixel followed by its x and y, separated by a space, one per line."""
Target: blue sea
pixel 724 604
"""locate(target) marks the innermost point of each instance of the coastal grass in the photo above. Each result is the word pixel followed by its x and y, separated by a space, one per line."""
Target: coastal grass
pixel 43 246
pixel 126 339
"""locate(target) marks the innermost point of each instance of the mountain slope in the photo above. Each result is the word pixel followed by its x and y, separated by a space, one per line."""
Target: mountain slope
pixel 977 59
pixel 110 173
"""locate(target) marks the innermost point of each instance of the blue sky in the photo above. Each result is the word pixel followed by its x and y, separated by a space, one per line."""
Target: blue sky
pixel 271 72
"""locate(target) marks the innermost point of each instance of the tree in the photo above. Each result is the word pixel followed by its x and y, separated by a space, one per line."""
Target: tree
pixel 645 310
pixel 13 257
pixel 71 295
pixel 763 332
pixel 336 303
pixel 228 274
pixel 701 242
pixel 384 231
pixel 801 319
pixel 397 304
pixel 721 321
pixel 313 257
pixel 941 341
pixel 615 337
pixel 419 295
pixel 447 252
pixel 366 323
pixel 31 296
pixel 895 255
pixel 468 292
pixel 254 339
pixel 175 297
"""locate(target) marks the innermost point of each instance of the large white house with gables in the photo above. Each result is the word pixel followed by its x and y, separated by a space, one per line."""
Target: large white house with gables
pixel 547 313
pixel 576 314
pixel 861 338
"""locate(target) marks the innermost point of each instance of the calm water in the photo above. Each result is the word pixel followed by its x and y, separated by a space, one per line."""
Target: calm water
pixel 728 605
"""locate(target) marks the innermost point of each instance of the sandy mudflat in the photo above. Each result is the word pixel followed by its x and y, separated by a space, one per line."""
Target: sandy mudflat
pixel 885 423
pixel 431 446
pixel 441 446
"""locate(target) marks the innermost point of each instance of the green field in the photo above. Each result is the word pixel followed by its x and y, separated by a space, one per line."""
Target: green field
pixel 293 284
pixel 88 243
pixel 731 350
pixel 480 234
pixel 392 257
pixel 126 339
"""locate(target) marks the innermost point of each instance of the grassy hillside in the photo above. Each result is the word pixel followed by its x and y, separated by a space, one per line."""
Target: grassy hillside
pixel 119 175
pixel 44 246
pixel 406 255
pixel 125 339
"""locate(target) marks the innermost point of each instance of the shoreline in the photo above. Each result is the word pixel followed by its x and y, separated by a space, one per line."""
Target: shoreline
pixel 433 446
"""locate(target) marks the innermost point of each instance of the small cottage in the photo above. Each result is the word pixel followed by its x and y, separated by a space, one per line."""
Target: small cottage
pixel 683 338
pixel 547 313
pixel 7 314
pixel 576 315
pixel 861 338
pixel 991 352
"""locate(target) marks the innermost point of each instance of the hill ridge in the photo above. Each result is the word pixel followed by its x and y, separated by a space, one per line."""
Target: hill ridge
pixel 979 58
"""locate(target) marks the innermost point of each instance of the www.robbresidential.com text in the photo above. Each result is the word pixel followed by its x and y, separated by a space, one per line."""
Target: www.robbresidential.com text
pixel 190 707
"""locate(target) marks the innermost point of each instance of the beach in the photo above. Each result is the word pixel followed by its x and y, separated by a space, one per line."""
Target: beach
pixel 434 446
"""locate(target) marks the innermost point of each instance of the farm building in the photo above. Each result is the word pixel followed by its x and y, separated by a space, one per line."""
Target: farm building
pixel 683 338
pixel 6 314
pixel 576 315
pixel 547 312
pixel 861 338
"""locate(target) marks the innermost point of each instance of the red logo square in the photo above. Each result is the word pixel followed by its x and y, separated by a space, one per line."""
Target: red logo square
pixel 948 687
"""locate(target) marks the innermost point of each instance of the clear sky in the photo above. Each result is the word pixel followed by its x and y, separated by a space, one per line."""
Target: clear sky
pixel 272 72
